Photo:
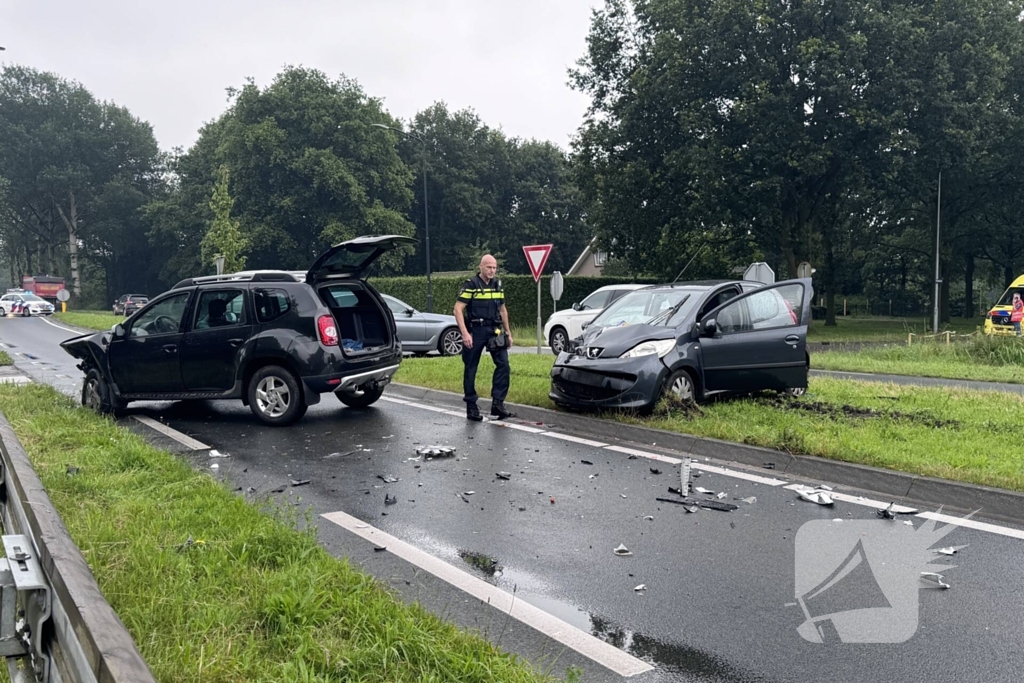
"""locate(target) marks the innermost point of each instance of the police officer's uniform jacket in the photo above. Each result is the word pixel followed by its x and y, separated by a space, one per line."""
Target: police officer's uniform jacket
pixel 483 319
pixel 483 302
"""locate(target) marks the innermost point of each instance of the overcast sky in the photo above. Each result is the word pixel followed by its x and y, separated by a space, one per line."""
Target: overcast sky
pixel 169 62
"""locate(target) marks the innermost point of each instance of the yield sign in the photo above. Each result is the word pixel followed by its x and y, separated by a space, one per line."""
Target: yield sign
pixel 537 257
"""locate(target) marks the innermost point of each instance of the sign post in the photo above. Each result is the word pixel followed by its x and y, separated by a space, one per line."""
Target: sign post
pixel 537 258
pixel 62 296
pixel 557 285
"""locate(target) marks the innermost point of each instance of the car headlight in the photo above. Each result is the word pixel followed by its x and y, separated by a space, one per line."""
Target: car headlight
pixel 650 348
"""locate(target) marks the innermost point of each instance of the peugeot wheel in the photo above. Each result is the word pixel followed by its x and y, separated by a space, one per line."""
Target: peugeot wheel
pixel 680 386
pixel 360 398
pixel 797 391
pixel 451 343
pixel 559 340
pixel 275 396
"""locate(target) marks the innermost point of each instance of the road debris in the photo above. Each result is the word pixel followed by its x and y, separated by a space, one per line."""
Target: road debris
pixel 469 493
pixel 649 518
pixel 387 479
pixel 379 548
pixel 655 470
pixel 503 475
pixel 684 477
pixel 300 482
pixel 769 466
pixel 701 489
pixel 72 470
pixel 950 550
pixel 622 551
pixel 331 456
pixel 435 451
pixel 214 466
pixel 552 500
pixel 815 496
pixel 389 499
pixel 217 454
pixel 703 502
pixel 722 495
pixel 938 580
pixel 641 587
pixel 749 501
pixel 585 462
pixel 892 510
pixel 691 508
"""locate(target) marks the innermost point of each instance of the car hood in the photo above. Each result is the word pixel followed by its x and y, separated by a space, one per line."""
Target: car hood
pixel 90 347
pixel 615 341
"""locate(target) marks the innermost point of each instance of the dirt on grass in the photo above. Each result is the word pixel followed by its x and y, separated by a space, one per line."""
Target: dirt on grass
pixel 836 411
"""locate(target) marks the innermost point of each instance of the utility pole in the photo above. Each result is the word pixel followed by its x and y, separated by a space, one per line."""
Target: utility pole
pixel 938 278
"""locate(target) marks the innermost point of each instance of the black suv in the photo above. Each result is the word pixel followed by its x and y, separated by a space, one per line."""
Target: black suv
pixel 129 303
pixel 275 339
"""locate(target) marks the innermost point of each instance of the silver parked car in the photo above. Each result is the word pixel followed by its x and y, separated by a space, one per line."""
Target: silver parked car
pixel 422 333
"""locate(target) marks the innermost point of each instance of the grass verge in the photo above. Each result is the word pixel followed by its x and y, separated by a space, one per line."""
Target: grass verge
pixel 5 359
pixel 250 598
pixel 882 329
pixel 93 320
pixel 985 359
pixel 944 433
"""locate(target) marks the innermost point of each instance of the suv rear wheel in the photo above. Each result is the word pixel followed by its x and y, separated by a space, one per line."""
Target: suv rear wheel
pixel 360 398
pixel 275 396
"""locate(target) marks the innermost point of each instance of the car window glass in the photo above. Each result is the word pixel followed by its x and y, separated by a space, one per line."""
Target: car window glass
pixel 396 306
pixel 596 300
pixel 771 308
pixel 163 318
pixel 641 305
pixel 270 304
pixel 342 297
pixel 220 309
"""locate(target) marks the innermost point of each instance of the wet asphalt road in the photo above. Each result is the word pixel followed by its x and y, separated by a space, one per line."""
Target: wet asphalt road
pixel 718 583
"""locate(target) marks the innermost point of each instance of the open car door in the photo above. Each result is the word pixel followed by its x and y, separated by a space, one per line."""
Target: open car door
pixel 351 259
pixel 758 340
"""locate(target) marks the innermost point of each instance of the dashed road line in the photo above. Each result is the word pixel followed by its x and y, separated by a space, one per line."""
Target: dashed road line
pixel 183 439
pixel 587 645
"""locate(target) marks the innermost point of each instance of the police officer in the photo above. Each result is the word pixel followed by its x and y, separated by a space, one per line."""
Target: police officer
pixel 483 320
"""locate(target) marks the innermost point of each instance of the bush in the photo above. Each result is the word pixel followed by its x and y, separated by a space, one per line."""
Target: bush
pixel 520 292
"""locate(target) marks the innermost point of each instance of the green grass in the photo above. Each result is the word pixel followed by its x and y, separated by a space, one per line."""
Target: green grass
pixel 252 598
pixel 882 329
pixel 5 359
pixel 93 320
pixel 945 433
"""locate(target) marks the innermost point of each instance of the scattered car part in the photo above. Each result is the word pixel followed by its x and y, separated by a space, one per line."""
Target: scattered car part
pixel 704 503
pixel 622 551
pixel 937 579
pixel 815 496
pixel 503 475
pixel 950 550
pixel 436 451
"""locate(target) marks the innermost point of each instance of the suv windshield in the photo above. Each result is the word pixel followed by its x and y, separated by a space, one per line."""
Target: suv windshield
pixel 649 306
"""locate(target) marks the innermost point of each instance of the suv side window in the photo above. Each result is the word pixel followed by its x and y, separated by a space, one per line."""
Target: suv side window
pixel 270 304
pixel 221 308
pixel 162 318
pixel 595 300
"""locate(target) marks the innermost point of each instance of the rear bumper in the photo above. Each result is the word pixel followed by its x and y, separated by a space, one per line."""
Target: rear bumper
pixel 350 382
pixel 614 383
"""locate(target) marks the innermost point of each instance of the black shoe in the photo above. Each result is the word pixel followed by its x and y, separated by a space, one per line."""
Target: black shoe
pixel 473 413
pixel 499 411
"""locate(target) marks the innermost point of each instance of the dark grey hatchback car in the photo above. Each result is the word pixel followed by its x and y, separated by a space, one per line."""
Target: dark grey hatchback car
pixel 689 339
pixel 274 339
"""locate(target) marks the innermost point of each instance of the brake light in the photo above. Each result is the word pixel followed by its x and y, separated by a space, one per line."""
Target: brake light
pixel 328 331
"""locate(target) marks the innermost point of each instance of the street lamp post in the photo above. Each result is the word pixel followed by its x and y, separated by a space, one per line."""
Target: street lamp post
pixel 426 213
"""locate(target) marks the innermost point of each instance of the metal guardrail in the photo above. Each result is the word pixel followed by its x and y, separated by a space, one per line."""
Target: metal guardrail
pixel 55 624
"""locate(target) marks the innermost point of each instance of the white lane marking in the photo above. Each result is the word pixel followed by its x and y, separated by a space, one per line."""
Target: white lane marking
pixel 575 439
pixel 522 428
pixel 14 379
pixel 396 400
pixel 644 454
pixel 970 523
pixel 739 474
pixel 77 333
pixel 587 645
pixel 857 500
pixel 183 439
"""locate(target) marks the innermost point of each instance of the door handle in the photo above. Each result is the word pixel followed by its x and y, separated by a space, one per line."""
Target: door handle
pixel 235 342
pixel 170 348
pixel 793 339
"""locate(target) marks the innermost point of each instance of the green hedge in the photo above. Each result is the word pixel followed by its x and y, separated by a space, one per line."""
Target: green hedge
pixel 520 293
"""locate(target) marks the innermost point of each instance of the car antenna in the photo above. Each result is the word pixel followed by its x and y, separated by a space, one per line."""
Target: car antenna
pixel 689 262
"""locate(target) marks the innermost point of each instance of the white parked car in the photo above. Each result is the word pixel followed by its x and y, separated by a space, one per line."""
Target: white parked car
pixel 568 324
pixel 25 304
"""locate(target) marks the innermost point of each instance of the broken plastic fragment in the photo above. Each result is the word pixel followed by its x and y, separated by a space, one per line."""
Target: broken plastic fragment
pixel 722 495
pixel 749 501
pixel 217 454
pixel 622 551
pixel 214 466
pixel 824 487
pixel 655 470
pixel 648 518
pixel 623 495
pixel 436 451
pixel 814 496
pixel 684 477
pixel 769 466
pixel 691 508
pixel 585 462
pixel 389 499
pixel 387 479
pixel 503 475
pixel 950 550
pixel 641 587
pixel 701 489
pixel 937 579
pixel 299 482
pixel 469 493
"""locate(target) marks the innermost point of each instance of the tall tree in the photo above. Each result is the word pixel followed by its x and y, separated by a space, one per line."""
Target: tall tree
pixel 224 237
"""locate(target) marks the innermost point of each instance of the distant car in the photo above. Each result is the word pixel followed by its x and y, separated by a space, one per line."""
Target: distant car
pixel 269 338
pixel 24 304
pixel 129 303
pixel 568 324
pixel 688 339
pixel 998 319
pixel 421 332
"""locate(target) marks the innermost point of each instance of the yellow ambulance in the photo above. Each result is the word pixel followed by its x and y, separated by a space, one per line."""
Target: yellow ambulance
pixel 998 319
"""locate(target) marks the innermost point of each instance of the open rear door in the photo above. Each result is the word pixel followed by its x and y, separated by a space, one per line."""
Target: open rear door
pixel 351 259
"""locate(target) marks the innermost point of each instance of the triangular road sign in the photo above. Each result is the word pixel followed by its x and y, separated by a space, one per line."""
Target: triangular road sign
pixel 537 258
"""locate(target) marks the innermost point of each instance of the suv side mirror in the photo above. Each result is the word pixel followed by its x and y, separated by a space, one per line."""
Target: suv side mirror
pixel 709 327
pixel 576 307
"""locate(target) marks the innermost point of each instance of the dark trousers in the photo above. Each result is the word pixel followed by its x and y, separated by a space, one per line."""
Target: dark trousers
pixel 471 359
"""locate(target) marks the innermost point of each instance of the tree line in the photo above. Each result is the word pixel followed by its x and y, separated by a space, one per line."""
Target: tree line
pixel 719 132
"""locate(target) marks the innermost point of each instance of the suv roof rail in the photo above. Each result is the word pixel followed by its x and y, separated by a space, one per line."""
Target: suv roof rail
pixel 246 276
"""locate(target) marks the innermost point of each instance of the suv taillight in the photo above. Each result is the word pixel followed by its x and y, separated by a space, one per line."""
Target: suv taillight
pixel 328 330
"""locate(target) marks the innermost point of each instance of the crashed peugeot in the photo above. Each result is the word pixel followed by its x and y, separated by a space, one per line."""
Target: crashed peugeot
pixel 688 339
